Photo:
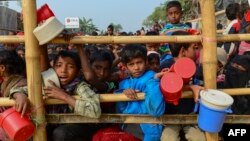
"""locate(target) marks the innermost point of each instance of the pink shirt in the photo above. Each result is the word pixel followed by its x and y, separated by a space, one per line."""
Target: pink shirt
pixel 244 46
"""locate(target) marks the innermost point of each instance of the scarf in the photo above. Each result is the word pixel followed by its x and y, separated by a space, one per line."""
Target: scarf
pixel 71 86
pixel 13 81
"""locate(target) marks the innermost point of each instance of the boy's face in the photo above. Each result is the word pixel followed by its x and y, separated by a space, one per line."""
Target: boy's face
pixel 174 15
pixel 152 47
pixel 136 67
pixel 66 70
pixel 154 65
pixel 191 51
pixel 101 69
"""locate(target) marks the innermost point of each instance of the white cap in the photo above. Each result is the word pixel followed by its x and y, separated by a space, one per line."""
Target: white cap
pixel 48 30
pixel 216 99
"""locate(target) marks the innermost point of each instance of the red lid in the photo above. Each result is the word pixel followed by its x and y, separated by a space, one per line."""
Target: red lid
pixel 185 67
pixel 5 114
pixel 171 83
pixel 43 13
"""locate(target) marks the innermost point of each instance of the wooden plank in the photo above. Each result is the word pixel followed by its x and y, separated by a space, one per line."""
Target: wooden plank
pixel 122 118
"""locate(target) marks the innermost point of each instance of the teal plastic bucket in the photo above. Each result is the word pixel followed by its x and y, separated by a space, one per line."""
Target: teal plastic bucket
pixel 211 120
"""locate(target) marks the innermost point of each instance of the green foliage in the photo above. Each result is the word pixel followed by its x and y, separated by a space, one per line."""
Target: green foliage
pixel 87 26
pixel 159 14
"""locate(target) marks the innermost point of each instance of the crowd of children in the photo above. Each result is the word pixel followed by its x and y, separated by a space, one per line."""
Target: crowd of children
pixel 129 69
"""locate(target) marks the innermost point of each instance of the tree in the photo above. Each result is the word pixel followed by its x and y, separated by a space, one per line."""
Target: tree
pixel 87 26
pixel 157 15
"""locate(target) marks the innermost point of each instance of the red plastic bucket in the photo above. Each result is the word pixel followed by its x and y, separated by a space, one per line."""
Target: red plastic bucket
pixel 43 13
pixel 171 86
pixel 185 68
pixel 18 128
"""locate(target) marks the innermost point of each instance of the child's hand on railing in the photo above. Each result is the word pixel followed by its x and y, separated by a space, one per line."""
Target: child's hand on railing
pixel 131 94
pixel 67 35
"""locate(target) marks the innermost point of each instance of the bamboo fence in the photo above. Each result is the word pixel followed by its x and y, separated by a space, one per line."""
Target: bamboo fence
pixel 122 97
pixel 209 41
pixel 208 38
pixel 132 39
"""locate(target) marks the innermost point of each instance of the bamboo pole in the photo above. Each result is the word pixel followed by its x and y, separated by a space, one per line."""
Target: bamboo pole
pixel 123 118
pixel 103 98
pixel 132 39
pixel 32 56
pixel 122 97
pixel 11 39
pixel 149 39
pixel 209 60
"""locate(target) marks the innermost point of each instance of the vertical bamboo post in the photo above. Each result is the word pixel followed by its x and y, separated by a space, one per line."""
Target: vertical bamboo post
pixel 32 56
pixel 209 58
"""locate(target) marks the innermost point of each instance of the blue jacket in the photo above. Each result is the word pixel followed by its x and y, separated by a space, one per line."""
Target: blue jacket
pixel 153 104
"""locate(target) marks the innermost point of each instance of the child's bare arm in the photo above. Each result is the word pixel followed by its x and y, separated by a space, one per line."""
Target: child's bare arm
pixel 195 89
pixel 88 73
pixel 160 74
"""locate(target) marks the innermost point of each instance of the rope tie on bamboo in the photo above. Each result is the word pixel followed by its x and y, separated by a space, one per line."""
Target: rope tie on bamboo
pixel 38 122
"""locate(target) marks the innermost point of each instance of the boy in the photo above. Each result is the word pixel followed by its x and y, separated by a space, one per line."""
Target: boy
pixel 186 106
pixel 134 57
pixel 174 13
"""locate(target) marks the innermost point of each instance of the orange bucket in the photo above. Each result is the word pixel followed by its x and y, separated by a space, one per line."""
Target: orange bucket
pixel 43 13
pixel 17 128
pixel 171 86
pixel 185 68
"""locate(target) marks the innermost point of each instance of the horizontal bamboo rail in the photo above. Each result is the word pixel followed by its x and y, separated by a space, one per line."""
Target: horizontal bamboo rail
pixel 123 118
pixel 103 98
pixel 122 97
pixel 133 39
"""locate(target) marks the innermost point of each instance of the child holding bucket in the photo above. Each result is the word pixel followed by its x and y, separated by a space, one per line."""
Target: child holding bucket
pixel 140 79
pixel 67 67
pixel 14 85
pixel 185 106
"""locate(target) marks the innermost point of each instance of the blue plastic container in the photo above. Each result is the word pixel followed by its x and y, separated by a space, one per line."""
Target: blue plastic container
pixel 211 120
